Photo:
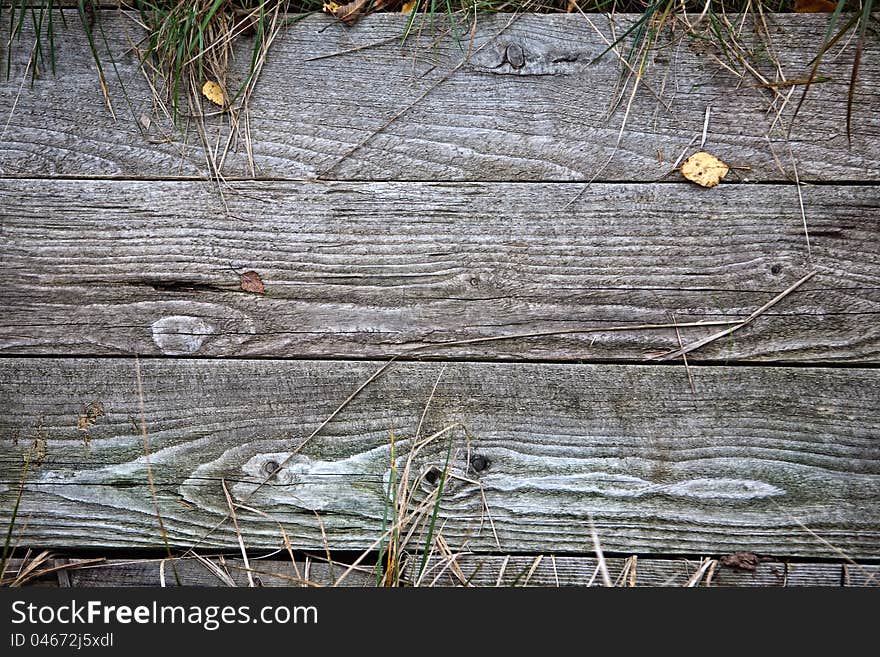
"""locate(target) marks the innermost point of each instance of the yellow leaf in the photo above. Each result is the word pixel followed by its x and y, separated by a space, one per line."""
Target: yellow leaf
pixel 408 6
pixel 704 169
pixel 214 92
pixel 331 7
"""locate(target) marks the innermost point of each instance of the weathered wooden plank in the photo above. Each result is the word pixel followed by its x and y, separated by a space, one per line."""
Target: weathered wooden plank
pixel 547 120
pixel 746 463
pixel 463 570
pixel 373 269
pixel 861 575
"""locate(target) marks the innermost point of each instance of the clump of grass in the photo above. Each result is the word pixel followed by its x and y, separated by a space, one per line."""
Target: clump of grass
pixel 190 43
pixel 8 541
pixel 407 517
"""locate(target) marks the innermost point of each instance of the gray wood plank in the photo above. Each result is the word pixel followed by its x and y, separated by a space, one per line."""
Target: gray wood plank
pixel 470 570
pixel 746 464
pixel 547 120
pixel 374 269
pixel 861 575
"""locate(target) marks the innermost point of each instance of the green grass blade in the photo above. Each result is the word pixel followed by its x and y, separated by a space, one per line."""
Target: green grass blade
pixel 857 59
pixel 432 525
pixel 14 31
pixel 38 44
pixel 211 11
pixel 826 44
pixel 84 19
pixel 391 494
pixel 259 37
pixel 7 543
pixel 22 10
pixel 637 27
pixel 112 59
pixel 50 29
pixel 456 32
pixel 410 22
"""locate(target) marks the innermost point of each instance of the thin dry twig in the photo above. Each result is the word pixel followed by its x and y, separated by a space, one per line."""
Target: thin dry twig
pixel 326 544
pixel 748 320
pixel 600 557
pixel 470 52
pixel 29 566
pixel 365 46
pixel 285 539
pixel 684 357
pixel 29 574
pixel 574 331
pixel 502 570
pixel 146 442
pixel 238 535
pixel 870 577
pixel 533 568
pixel 705 565
pixel 215 570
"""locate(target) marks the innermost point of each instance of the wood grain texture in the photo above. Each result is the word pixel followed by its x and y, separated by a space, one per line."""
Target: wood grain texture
pixel 745 464
pixel 472 570
pixel 547 119
pixel 373 269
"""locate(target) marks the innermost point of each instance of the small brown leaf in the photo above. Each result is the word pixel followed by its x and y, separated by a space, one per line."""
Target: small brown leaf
pixel 704 169
pixel 251 282
pixel 741 560
pixel 814 6
pixel 408 6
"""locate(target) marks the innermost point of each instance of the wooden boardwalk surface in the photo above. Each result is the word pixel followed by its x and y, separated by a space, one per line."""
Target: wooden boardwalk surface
pixel 524 263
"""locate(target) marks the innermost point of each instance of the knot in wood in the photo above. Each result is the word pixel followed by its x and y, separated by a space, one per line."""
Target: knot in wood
pixel 515 56
pixel 433 475
pixel 479 462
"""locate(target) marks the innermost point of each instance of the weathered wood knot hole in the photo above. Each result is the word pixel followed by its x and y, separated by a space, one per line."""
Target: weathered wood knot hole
pixel 514 56
pixel 270 468
pixel 479 462
pixel 432 476
pixel 775 269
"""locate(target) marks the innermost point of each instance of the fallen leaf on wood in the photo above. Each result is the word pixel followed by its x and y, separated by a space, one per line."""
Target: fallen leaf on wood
pixel 347 13
pixel 741 560
pixel 214 92
pixel 704 169
pixel 251 282
pixel 814 6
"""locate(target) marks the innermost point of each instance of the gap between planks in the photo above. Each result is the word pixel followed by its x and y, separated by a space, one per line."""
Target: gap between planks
pixel 472 570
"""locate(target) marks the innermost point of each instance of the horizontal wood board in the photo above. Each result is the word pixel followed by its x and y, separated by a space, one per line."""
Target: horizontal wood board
pixel 376 269
pixel 771 460
pixel 422 113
